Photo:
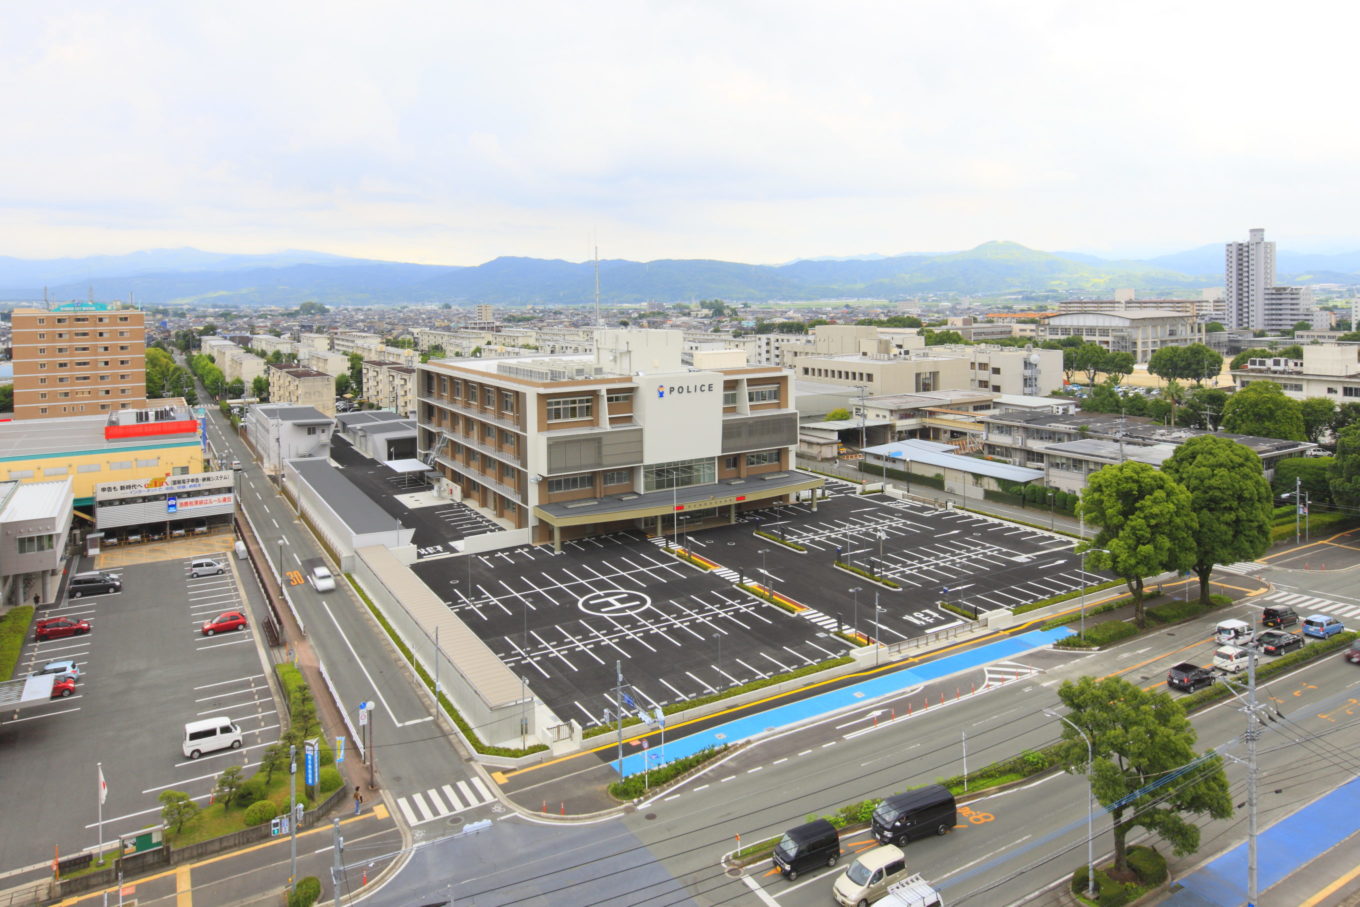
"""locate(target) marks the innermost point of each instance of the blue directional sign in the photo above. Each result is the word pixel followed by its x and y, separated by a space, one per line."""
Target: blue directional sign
pixel 339 750
pixel 628 701
pixel 171 504
pixel 311 764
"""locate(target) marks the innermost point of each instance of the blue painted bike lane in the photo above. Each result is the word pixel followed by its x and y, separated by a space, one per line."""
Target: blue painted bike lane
pixel 1281 850
pixel 857 694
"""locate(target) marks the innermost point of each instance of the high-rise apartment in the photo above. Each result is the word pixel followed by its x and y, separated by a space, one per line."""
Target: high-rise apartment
pixel 1249 269
pixel 78 359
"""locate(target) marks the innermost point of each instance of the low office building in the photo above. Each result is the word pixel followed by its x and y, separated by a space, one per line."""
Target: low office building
pixel 1327 370
pixel 281 431
pixel 341 515
pixel 378 435
pixel 164 506
pixel 625 438
pixel 298 386
pixel 35 520
pixel 125 444
pixel 1140 332
pixel 942 466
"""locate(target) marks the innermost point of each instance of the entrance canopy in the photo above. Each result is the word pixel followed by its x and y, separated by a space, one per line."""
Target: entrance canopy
pixel 411 471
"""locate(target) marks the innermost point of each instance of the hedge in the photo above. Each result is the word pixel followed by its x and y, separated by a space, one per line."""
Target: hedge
pixel 468 733
pixel 674 707
pixel 13 632
pixel 779 541
pixel 1147 864
pixel 261 811
pixel 1267 669
pixel 1103 634
pixel 933 481
pixel 1066 596
pixel 305 893
pixel 635 786
pixel 1176 611
pixel 872 577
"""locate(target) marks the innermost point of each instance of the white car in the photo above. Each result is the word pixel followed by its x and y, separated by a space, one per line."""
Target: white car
pixel 322 579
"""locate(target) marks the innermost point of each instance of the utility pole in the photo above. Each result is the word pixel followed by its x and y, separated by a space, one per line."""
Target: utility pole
pixel 337 868
pixel 1298 505
pixel 1253 732
pixel 292 817
pixel 618 702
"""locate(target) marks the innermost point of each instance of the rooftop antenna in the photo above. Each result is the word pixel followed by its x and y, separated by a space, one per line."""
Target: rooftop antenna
pixel 599 322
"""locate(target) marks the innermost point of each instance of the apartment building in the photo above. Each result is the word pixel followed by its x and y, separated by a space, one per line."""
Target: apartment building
pixel 1002 370
pixel 77 359
pixel 1251 296
pixel 627 437
pixel 1328 370
pixel 390 386
pixel 1139 332
pixel 319 342
pixel 280 432
pixel 302 387
pixel 325 361
pixel 242 365
pixel 271 344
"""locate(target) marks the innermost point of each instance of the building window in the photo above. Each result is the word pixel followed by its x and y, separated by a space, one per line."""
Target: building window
pixel 678 474
pixel 730 463
pixel 765 394
pixel 32 544
pixel 1345 391
pixel 619 397
pixel 507 402
pixel 568 409
pixel 763 458
pixel 730 397
pixel 618 477
pixel 488 396
pixel 570 483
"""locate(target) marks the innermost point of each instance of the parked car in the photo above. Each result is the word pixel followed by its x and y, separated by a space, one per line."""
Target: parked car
pixel 235 464
pixel 64 668
pixel 1322 626
pixel 63 687
pixel 57 627
pixel 321 579
pixel 94 583
pixel 1189 677
pixel 1278 616
pixel 224 622
pixel 206 566
pixel 1278 642
pixel 1353 653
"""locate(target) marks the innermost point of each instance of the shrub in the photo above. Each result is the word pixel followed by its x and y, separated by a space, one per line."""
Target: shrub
pixel 251 791
pixel 636 785
pixel 1149 864
pixel 260 812
pixel 329 779
pixel 306 892
pixel 1111 631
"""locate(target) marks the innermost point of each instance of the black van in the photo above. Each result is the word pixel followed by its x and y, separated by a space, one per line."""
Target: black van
pixel 94 583
pixel 915 814
pixel 807 846
pixel 1278 616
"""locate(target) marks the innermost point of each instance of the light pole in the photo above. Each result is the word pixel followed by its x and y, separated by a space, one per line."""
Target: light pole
pixel 764 572
pixel 281 543
pixel 1090 806
pixel 718 637
pixel 854 590
pixel 878 628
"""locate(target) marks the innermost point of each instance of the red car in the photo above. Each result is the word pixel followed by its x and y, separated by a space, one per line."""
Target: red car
pixel 63 688
pixel 57 627
pixel 230 620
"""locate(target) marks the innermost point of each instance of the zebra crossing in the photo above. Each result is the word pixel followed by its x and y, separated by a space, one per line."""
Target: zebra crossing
pixel 1006 671
pixel 1310 603
pixel 1246 568
pixel 826 623
pixel 429 805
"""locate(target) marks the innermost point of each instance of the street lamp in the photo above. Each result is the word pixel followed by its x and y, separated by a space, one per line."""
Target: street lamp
pixel 854 590
pixel 878 628
pixel 1090 806
pixel 766 573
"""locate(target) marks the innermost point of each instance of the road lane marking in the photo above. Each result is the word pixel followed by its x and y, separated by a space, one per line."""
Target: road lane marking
pixel 359 661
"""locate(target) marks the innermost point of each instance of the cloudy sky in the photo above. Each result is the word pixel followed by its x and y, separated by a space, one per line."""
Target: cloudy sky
pixel 454 132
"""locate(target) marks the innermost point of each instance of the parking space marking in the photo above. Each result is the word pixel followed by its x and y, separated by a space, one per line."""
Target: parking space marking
pixel 38 715
pixel 222 683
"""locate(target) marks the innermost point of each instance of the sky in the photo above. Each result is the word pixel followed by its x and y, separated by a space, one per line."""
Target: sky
pixel 455 132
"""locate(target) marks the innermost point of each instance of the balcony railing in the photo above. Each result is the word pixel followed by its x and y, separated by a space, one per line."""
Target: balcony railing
pixel 476 412
pixel 481 478
pixel 516 460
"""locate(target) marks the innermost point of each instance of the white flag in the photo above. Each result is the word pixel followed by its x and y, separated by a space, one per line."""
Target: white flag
pixel 103 786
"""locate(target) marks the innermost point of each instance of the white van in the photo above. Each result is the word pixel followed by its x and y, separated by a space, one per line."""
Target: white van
pixel 206 566
pixel 1233 631
pixel 210 735
pixel 1231 659
pixel 912 892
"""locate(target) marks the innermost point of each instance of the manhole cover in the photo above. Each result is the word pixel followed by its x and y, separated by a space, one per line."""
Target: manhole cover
pixel 650 816
pixel 734 872
pixel 455 821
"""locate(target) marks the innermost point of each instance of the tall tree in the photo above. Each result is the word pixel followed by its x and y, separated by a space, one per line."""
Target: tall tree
pixel 1231 500
pixel 1140 740
pixel 1262 409
pixel 1167 363
pixel 1203 408
pixel 1318 413
pixel 1346 414
pixel 1089 358
pixel 259 389
pixel 1146 525
pixel 1344 480
pixel 1117 367
pixel 1202 364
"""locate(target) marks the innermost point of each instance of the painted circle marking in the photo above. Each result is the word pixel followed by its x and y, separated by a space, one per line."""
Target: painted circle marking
pixel 613 602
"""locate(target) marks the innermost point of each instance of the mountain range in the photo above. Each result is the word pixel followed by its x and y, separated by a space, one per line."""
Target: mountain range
pixel 287 278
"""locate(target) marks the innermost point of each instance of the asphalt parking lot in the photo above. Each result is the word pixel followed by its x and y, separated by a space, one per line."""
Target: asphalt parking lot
pixel 563 621
pixel 146 670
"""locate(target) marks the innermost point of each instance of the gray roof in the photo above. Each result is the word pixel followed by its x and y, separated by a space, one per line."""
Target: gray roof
pixel 935 454
pixel 401 428
pixel 354 507
pixel 1105 449
pixel 373 415
pixel 304 414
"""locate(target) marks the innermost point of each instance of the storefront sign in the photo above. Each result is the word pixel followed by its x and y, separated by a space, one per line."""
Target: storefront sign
pixel 135 488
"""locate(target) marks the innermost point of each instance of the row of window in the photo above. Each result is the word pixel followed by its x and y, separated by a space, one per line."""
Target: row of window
pixel 32 544
pixel 49 472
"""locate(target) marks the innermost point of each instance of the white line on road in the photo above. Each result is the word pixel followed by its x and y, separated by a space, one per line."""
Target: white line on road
pixel 358 661
pixel 759 892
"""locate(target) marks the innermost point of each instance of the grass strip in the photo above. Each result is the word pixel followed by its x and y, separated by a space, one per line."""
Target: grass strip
pixel 13 632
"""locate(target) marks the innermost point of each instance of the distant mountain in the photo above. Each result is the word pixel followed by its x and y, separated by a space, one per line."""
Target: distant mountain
pixel 288 278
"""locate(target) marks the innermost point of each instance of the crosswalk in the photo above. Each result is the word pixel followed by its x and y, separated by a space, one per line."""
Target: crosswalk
pixel 438 802
pixel 822 620
pixel 1246 568
pixel 1307 604
pixel 1006 671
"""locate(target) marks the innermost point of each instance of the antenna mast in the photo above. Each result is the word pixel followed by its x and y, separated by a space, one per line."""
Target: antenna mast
pixel 599 322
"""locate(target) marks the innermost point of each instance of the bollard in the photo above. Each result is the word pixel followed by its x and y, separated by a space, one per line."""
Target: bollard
pixel 941 697
pixel 957 694
pixel 974 692
pixel 563 810
pixel 545 807
pixel 364 880
pixel 875 721
pixel 892 715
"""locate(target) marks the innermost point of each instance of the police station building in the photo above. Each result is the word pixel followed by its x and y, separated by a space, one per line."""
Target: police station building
pixel 629 437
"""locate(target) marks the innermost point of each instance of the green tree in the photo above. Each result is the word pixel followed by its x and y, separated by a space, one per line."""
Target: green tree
pixel 1202 364
pixel 1317 413
pixel 940 338
pixel 177 809
pixel 1070 365
pixel 1140 742
pixel 228 783
pixel 236 389
pixel 342 384
pixel 1089 358
pixel 1168 363
pixel 356 373
pixel 1231 500
pixel 1214 327
pixel 1117 367
pixel 259 388
pixel 274 759
pixel 1344 479
pixel 1240 360
pixel 1309 474
pixel 6 398
pixel 1262 409
pixel 1145 525
pixel 1203 408
pixel 838 415
pixel 1346 414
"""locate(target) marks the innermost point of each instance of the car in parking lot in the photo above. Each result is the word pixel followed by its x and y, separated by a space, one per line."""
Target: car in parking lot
pixel 58 627
pixel 225 622
pixel 1278 642
pixel 1189 677
pixel 63 687
pixel 321 578
pixel 1278 616
pixel 206 566
pixel 94 583
pixel 63 668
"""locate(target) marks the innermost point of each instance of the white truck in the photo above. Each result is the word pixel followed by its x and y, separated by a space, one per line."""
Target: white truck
pixel 913 891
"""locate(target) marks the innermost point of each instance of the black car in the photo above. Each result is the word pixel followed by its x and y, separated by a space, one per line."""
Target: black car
pixel 1278 642
pixel 1188 677
pixel 1278 616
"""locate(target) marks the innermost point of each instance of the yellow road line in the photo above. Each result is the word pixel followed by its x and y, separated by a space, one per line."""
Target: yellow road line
pixel 184 888
pixel 1332 888
pixel 1298 548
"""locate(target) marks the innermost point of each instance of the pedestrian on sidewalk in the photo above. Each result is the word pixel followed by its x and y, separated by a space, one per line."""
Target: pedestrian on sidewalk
pixel 358 800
